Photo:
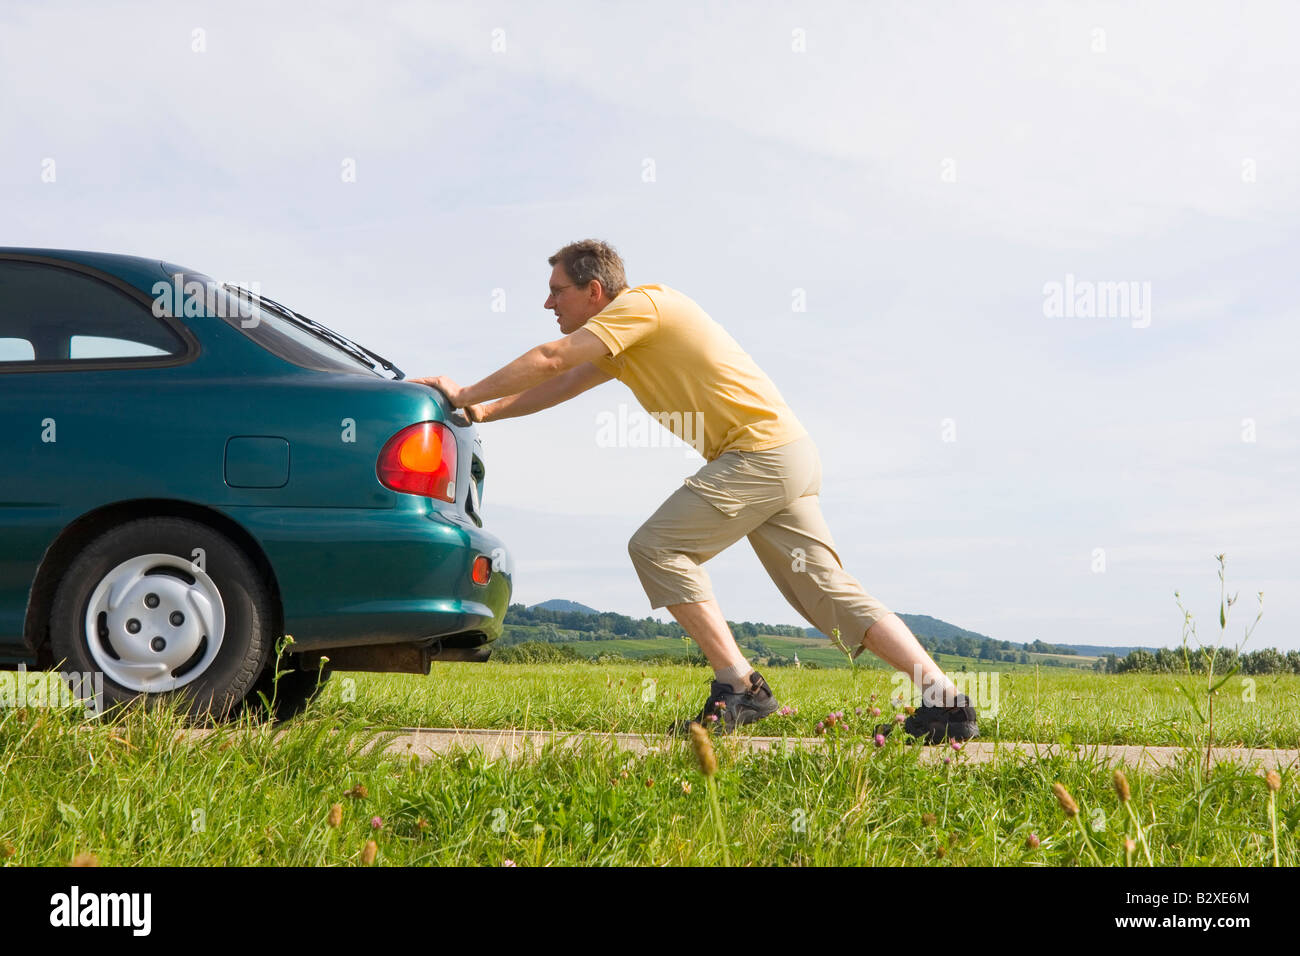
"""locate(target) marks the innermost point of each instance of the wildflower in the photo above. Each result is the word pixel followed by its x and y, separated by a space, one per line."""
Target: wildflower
pixel 686 786
pixel 376 823
pixel 649 781
pixel 909 709
pixel 929 819
pixel 622 774
pixel 358 792
pixel 1274 781
pixel 955 744
pixel 1130 845
pixel 1121 785
pixel 1032 841
pixel 947 760
pixel 820 726
pixel 85 859
pixel 509 863
pixel 880 740
pixel 713 717
pixel 368 853
pixel 721 705
pixel 873 696
pixel 1065 800
pixel 940 852
pixel 857 711
pixel 899 718
pixel 422 824
pixel 703 748
pixel 336 815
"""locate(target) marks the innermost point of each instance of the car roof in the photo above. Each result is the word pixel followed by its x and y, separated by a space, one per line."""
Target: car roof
pixel 139 271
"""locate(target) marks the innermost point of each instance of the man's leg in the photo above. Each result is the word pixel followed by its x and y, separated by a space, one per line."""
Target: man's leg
pixel 667 552
pixel 796 548
pixel 893 642
pixel 704 622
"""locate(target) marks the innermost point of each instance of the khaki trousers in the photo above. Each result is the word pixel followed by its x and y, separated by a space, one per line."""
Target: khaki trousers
pixel 771 498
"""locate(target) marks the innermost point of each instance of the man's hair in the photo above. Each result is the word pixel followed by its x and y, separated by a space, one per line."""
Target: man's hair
pixel 592 259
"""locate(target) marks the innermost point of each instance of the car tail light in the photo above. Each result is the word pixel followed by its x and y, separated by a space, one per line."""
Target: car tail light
pixel 482 569
pixel 420 460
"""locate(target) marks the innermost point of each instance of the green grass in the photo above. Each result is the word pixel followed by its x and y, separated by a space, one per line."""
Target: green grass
pixel 1054 704
pixel 132 794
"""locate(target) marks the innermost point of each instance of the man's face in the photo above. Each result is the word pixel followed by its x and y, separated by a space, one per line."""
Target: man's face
pixel 572 304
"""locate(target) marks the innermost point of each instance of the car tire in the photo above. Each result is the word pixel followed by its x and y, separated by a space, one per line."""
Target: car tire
pixel 295 690
pixel 170 612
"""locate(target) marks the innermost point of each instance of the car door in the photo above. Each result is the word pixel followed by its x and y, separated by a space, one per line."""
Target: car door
pixel 70 338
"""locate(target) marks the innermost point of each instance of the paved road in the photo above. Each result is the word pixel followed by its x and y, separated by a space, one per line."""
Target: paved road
pixel 513 744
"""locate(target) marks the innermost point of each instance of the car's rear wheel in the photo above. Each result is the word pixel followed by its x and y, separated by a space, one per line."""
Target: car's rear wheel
pixel 166 609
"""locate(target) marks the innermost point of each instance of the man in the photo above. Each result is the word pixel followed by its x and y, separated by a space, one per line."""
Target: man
pixel 761 478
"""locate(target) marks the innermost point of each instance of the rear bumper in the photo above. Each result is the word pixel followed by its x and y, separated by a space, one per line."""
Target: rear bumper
pixel 360 577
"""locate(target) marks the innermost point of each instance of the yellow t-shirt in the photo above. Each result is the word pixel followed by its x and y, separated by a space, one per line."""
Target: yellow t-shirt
pixel 690 374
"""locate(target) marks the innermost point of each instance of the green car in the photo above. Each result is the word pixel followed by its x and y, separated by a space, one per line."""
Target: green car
pixel 190 470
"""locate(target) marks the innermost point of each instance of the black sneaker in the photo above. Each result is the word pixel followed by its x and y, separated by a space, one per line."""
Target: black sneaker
pixel 728 709
pixel 936 724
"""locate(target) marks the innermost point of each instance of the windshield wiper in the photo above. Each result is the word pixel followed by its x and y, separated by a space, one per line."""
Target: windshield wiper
pixel 359 352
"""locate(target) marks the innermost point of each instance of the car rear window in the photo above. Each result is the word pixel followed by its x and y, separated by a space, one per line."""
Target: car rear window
pixel 273 332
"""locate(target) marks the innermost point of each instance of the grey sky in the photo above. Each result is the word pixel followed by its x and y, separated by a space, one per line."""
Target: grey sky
pixel 920 171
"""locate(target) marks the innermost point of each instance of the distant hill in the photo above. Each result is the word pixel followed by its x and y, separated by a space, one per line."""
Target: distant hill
pixel 937 635
pixel 560 621
pixel 559 604
pixel 922 625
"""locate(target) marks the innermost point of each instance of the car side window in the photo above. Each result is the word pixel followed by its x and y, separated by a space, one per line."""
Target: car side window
pixel 16 350
pixel 50 315
pixel 105 346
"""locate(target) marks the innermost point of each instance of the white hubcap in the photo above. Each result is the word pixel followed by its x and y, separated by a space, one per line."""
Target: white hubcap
pixel 155 623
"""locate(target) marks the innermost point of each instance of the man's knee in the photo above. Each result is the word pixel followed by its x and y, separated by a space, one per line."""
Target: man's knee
pixel 642 547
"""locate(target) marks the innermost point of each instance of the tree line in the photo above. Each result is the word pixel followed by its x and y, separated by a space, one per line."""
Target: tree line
pixel 607 625
pixel 1268 660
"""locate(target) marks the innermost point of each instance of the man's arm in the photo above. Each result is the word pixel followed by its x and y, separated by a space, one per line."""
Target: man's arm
pixel 535 366
pixel 551 392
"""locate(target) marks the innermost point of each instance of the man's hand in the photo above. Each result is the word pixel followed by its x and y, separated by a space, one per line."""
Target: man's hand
pixel 445 385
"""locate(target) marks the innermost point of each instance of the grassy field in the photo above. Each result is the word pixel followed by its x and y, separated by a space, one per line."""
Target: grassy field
pixel 1047 707
pixel 127 792
pixel 814 650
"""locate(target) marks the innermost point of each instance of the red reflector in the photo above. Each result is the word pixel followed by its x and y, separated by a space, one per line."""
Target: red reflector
pixel 420 460
pixel 482 570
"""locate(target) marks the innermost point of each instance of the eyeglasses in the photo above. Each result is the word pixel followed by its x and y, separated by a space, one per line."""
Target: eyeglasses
pixel 557 290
